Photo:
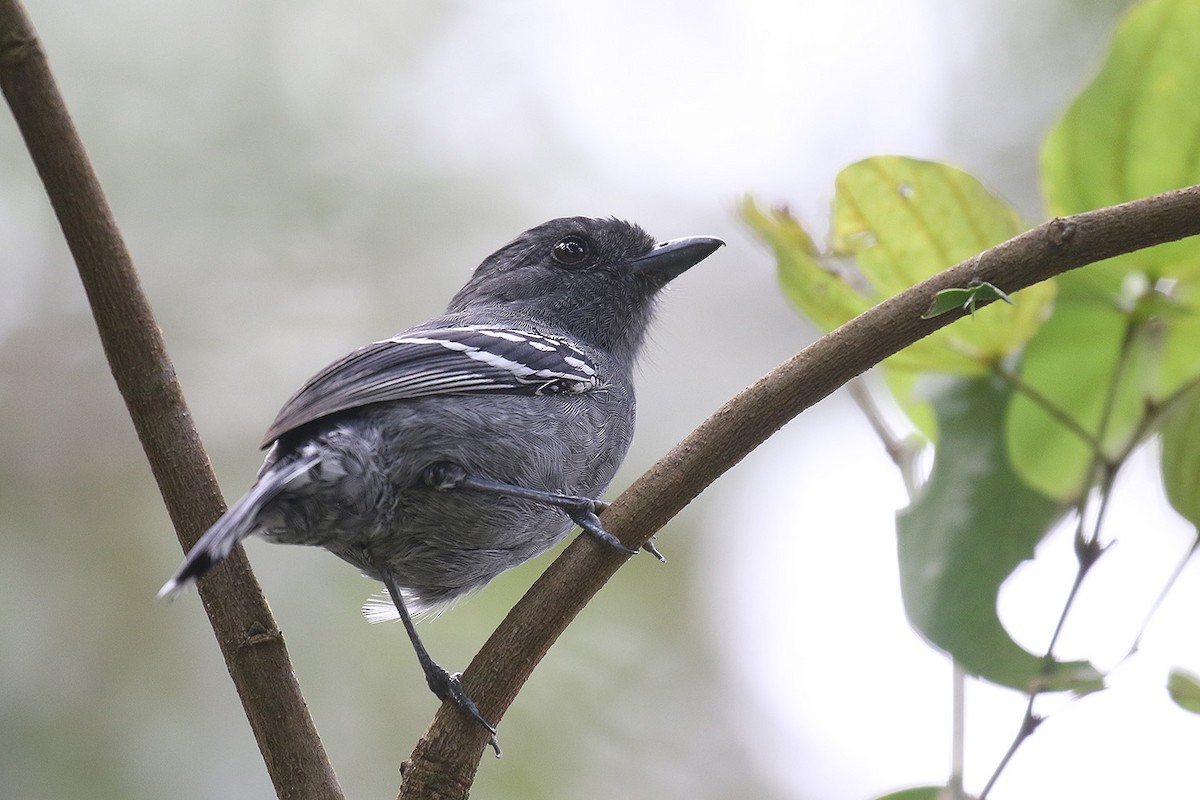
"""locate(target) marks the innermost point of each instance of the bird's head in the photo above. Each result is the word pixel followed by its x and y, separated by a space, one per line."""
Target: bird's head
pixel 595 279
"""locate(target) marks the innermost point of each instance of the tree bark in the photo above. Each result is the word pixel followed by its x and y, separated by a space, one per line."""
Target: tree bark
pixel 251 643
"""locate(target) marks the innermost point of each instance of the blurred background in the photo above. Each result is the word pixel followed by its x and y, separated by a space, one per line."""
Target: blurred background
pixel 298 178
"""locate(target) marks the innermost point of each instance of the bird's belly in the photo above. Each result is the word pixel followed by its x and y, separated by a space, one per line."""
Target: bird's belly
pixel 368 502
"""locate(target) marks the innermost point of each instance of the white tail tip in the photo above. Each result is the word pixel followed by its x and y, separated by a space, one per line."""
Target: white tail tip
pixel 172 589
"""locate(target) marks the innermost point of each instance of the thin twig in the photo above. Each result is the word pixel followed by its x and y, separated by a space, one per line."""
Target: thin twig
pixel 1150 420
pixel 1180 566
pixel 902 451
pixel 1088 550
pixel 1030 720
pixel 1029 724
pixel 903 456
pixel 250 641
pixel 958 733
pixel 860 393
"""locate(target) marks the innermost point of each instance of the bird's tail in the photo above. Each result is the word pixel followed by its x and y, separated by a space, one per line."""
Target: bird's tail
pixel 235 524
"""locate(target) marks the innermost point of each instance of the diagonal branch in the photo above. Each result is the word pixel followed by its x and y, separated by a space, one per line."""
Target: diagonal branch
pixel 250 641
pixel 444 762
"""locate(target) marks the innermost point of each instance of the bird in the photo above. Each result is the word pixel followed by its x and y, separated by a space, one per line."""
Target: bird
pixel 438 458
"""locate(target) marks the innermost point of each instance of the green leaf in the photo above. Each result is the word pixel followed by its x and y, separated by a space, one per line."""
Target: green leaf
pixel 905 220
pixel 1180 340
pixel 1184 688
pixel 1133 131
pixel 972 525
pixel 1103 329
pixel 978 293
pixel 1070 365
pixel 948 300
pixel 821 294
pixel 1180 456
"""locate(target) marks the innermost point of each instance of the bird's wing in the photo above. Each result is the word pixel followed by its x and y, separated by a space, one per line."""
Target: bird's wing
pixel 458 360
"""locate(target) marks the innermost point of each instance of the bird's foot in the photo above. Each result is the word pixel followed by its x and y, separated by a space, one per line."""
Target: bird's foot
pixel 583 514
pixel 583 511
pixel 449 687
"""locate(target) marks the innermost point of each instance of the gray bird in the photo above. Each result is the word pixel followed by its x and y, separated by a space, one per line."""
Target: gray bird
pixel 466 445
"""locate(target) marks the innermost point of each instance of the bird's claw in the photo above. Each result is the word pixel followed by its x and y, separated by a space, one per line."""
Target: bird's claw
pixel 588 520
pixel 448 687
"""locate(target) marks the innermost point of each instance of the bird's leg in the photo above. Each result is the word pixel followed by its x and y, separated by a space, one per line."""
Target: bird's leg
pixel 445 476
pixel 441 682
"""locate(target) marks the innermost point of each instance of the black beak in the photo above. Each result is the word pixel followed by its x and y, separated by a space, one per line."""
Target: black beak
pixel 668 260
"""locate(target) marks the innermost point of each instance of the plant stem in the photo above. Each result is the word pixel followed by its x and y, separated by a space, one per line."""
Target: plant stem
pixel 958 734
pixel 902 452
pixel 249 639
pixel 1162 595
pixel 1103 473
pixel 1046 404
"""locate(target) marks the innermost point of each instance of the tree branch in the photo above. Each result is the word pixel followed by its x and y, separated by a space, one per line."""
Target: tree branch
pixel 250 641
pixel 444 762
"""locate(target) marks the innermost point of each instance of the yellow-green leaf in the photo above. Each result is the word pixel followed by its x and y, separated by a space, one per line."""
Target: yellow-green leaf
pixel 1180 434
pixel 822 294
pixel 1134 131
pixel 905 220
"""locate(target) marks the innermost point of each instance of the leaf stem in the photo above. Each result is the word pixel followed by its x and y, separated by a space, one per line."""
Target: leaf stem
pixel 1162 596
pixel 903 452
pixel 1029 724
pixel 1088 550
pixel 1046 404
pixel 958 734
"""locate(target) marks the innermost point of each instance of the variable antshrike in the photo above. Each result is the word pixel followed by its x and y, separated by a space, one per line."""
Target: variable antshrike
pixel 438 458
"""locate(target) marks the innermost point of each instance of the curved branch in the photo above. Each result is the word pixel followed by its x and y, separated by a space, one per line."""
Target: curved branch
pixel 250 641
pixel 444 762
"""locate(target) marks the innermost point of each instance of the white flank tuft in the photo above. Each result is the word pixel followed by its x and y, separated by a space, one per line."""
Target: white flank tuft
pixel 379 608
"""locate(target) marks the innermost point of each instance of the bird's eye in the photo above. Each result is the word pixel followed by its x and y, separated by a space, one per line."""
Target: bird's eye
pixel 570 251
